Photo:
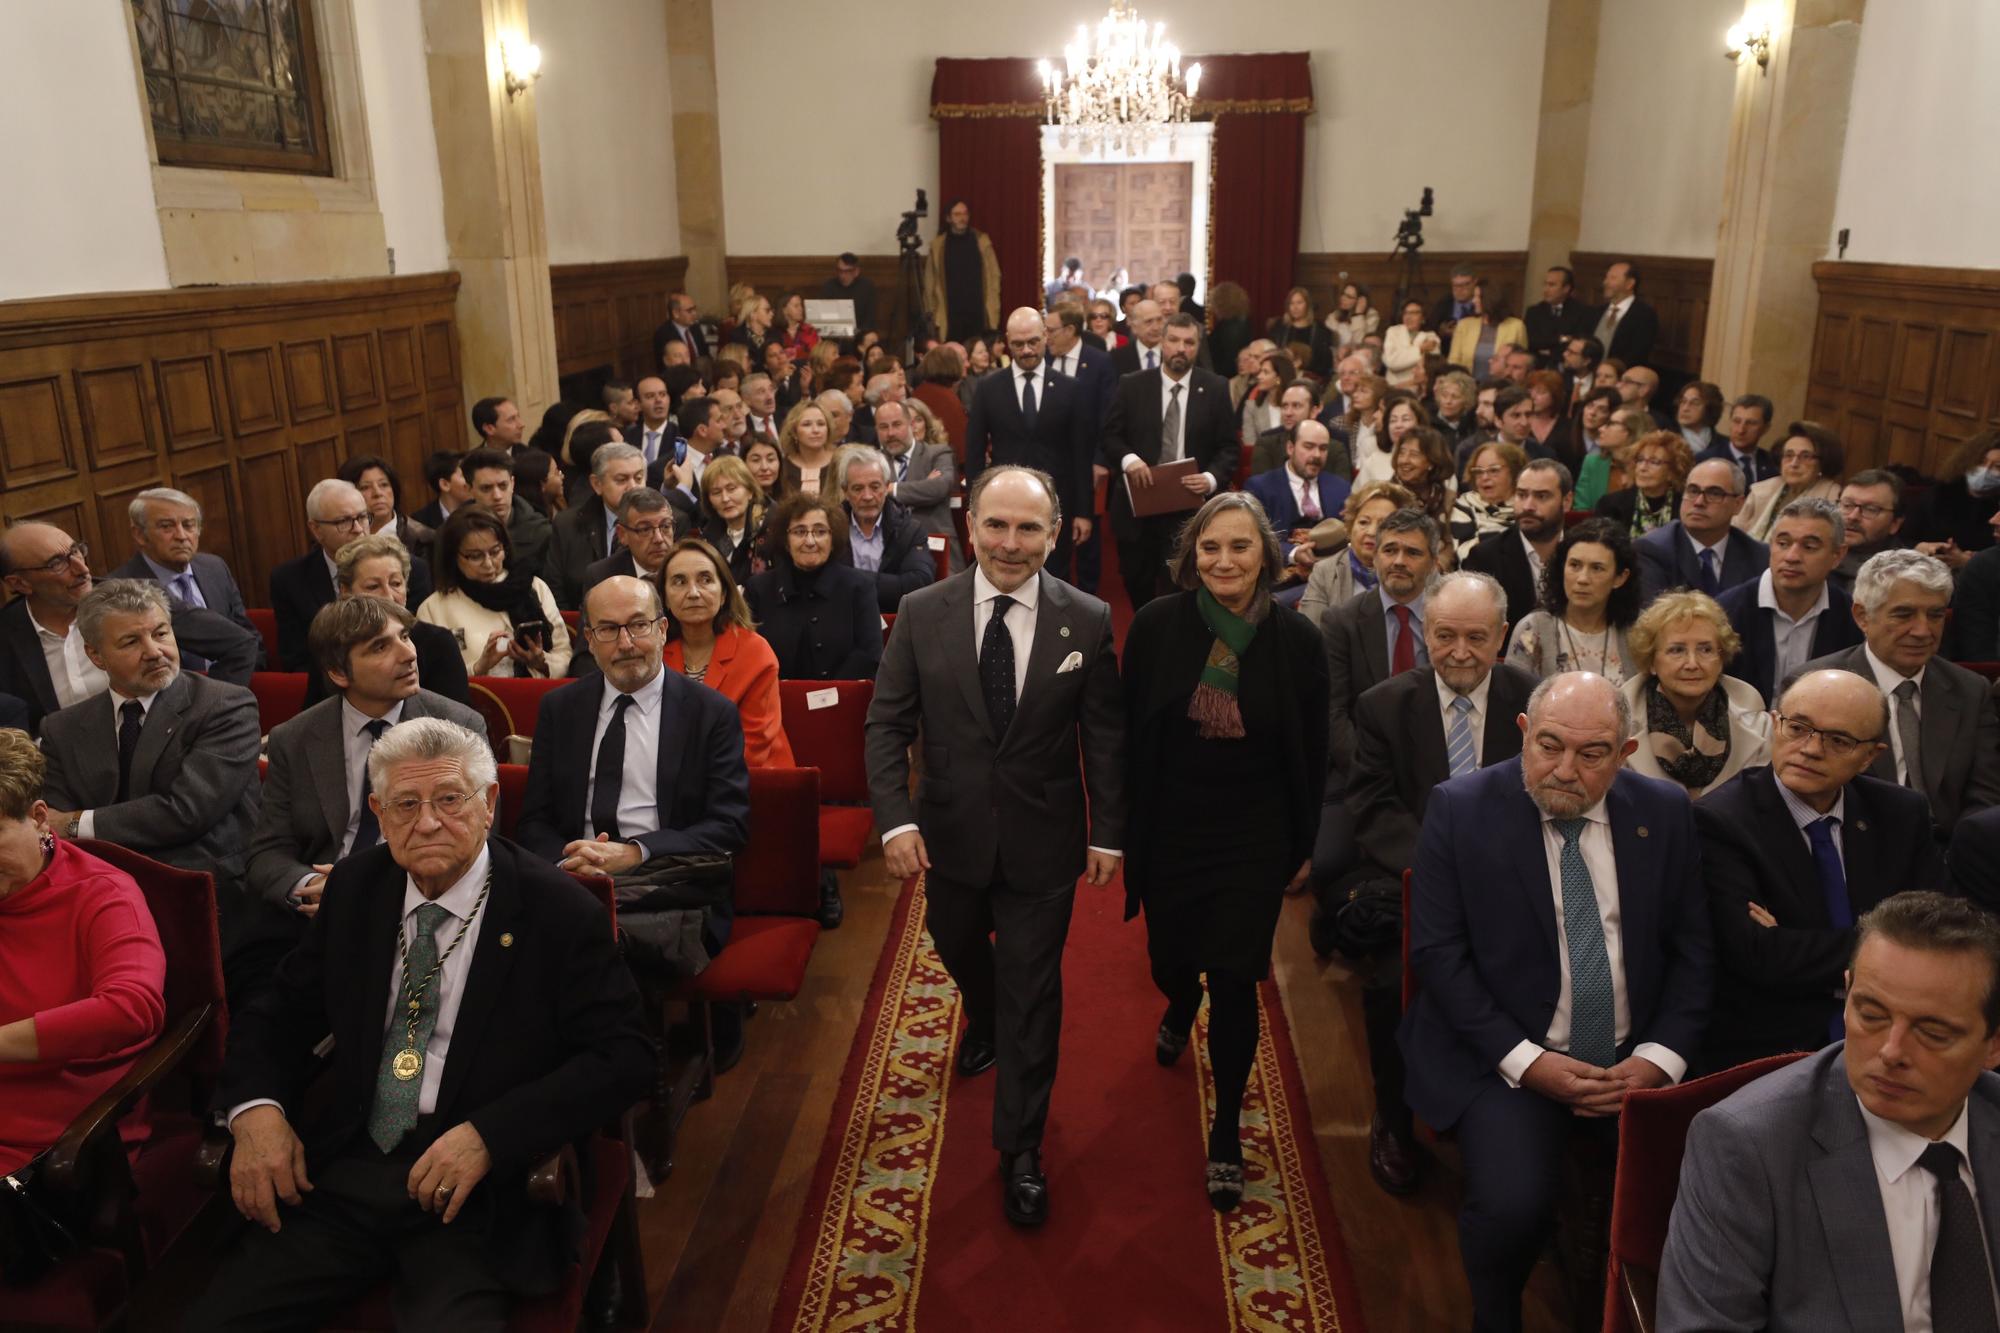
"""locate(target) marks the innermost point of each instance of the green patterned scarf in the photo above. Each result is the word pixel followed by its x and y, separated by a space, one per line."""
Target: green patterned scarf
pixel 1213 707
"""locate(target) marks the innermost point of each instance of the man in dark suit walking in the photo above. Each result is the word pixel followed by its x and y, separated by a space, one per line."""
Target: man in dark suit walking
pixel 481 1020
pixel 1944 739
pixel 1627 324
pixel 1162 416
pixel 1516 556
pixel 1557 317
pixel 1028 417
pixel 1071 354
pixel 1794 611
pixel 1562 947
pixel 1010 676
pixel 1784 907
pixel 166 529
pixel 1701 549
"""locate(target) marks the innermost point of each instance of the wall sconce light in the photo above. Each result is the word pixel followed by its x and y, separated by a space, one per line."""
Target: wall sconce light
pixel 1751 36
pixel 522 61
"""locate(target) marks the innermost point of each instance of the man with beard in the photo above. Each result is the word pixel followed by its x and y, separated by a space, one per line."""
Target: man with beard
pixel 1560 940
pixel 1515 556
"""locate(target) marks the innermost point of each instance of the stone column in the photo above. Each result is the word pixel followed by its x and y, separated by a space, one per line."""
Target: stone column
pixel 1786 137
pixel 490 157
pixel 697 148
pixel 1569 78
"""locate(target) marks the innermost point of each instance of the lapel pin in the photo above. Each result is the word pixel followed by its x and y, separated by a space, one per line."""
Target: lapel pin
pixel 1642 830
pixel 1064 631
pixel 507 940
pixel 1860 826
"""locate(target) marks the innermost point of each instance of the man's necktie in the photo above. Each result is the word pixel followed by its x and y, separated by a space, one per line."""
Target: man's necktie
pixel 1593 1018
pixel 1961 1282
pixel 1833 891
pixel 1909 728
pixel 395 1109
pixel 1310 509
pixel 687 336
pixel 652 449
pixel 1711 582
pixel 189 591
pixel 369 831
pixel 1152 359
pixel 1028 402
pixel 131 718
pixel 1403 657
pixel 1607 326
pixel 1458 750
pixel 1170 427
pixel 610 779
pixel 996 666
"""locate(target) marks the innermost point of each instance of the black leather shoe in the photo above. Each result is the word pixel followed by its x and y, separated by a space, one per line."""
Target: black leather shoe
pixel 1167 1042
pixel 1024 1190
pixel 976 1055
pixel 831 912
pixel 1393 1159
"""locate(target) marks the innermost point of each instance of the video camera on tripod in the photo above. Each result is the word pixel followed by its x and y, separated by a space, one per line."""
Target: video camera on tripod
pixel 918 324
pixel 1410 235
pixel 907 239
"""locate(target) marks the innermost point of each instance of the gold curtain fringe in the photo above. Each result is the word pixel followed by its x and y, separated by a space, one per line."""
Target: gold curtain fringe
pixel 1269 106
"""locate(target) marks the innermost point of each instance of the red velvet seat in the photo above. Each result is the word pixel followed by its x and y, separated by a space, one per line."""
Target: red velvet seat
pixel 1990 670
pixel 281 696
pixel 888 625
pixel 513 789
pixel 831 739
pixel 265 621
pixel 519 696
pixel 1652 1132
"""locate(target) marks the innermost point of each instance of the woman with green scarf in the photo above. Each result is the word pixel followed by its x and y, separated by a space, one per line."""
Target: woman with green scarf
pixel 1226 713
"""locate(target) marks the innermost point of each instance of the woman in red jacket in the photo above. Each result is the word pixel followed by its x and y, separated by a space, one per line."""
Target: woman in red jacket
pixel 82 976
pixel 712 640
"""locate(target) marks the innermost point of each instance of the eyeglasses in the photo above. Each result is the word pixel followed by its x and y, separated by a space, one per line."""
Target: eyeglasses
pixel 346 522
pixel 491 555
pixel 1490 470
pixel 1706 650
pixel 1799 456
pixel 79 553
pixel 640 630
pixel 648 530
pixel 821 532
pixel 445 805
pixel 1870 512
pixel 1838 743
pixel 1715 493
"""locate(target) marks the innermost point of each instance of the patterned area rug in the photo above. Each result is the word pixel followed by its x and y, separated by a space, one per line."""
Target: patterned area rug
pixel 904 1212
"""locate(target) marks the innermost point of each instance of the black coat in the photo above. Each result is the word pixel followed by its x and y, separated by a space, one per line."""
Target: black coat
pixel 906 558
pixel 1548 330
pixel 1208 432
pixel 1757 661
pixel 1062 442
pixel 1777 987
pixel 1974 858
pixel 1165 650
pixel 831 631
pixel 1633 340
pixel 1502 555
pixel 580 537
pixel 549 1043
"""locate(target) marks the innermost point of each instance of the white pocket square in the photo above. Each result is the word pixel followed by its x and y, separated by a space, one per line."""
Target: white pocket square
pixel 1074 662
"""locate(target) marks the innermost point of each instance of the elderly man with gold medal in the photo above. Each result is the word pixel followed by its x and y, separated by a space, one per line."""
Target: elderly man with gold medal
pixel 480 1019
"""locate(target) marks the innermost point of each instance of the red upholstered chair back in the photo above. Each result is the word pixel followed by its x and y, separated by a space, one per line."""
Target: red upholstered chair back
pixel 601 888
pixel 1990 670
pixel 777 872
pixel 519 696
pixel 281 696
pixel 513 789
pixel 183 907
pixel 1652 1132
pixel 831 736
pixel 265 621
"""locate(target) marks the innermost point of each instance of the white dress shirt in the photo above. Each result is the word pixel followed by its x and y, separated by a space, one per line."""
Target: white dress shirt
pixel 1149 357
pixel 71 671
pixel 1803 814
pixel 1300 487
pixel 1887 678
pixel 1598 857
pixel 86 824
pixel 1477 721
pixel 1790 639
pixel 1534 557
pixel 1177 450
pixel 1068 364
pixel 1909 1202
pixel 639 792
pixel 1039 377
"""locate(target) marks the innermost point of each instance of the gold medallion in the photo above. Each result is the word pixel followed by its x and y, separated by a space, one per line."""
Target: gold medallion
pixel 407 1064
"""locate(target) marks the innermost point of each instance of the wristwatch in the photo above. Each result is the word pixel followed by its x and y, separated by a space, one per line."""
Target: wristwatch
pixel 75 821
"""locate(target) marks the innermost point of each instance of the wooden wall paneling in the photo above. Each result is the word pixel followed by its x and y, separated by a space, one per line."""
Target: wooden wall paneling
pixel 400 378
pixel 316 460
pixel 250 379
pixel 309 380
pixel 440 344
pixel 269 490
pixel 116 423
pixel 190 402
pixel 1962 373
pixel 38 440
pixel 606 313
pixel 214 487
pixel 354 371
pixel 408 447
pixel 775 275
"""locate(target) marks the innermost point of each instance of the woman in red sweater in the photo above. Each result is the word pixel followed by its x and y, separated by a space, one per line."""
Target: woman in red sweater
pixel 712 641
pixel 82 976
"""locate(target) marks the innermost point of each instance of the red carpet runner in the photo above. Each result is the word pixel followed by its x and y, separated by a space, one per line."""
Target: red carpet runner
pixel 903 1228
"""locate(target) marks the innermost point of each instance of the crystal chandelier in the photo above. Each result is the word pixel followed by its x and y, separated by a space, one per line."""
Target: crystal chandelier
pixel 1119 88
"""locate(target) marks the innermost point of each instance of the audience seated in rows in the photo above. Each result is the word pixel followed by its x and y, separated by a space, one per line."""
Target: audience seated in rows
pixel 1702 549
pixel 819 613
pixel 166 529
pixel 712 640
pixel 1749 420
pixel 1954 520
pixel 335 515
pixel 490 473
pixel 379 566
pixel 1516 556
pixel 924 476
pixel 1659 465
pixel 1810 458
pixel 504 619
pixel 647 525
pixel 1795 611
pixel 586 532
pixel 1872 505
pixel 382 491
pixel 883 540
pixel 444 473
pixel 734 509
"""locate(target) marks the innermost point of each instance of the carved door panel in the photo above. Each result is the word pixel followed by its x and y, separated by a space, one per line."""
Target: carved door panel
pixel 1134 216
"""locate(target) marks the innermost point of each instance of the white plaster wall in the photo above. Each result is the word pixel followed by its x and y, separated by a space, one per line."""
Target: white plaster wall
pixel 605 119
pixel 826 129
pixel 396 92
pixel 77 214
pixel 1659 127
pixel 1917 184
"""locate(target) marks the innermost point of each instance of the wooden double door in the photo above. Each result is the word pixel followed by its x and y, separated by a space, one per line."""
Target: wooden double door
pixel 1138 216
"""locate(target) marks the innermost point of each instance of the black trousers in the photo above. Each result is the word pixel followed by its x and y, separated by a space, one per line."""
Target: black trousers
pixel 1143 547
pixel 356 1227
pixel 1003 947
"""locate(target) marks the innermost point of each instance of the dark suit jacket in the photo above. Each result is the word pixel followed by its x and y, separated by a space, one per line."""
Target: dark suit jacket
pixel 1098 379
pixel 704 788
pixel 1502 555
pixel 618 563
pixel 231 651
pixel 1483 931
pixel 1208 433
pixel 528 533
pixel 1399 756
pixel 906 558
pixel 1974 858
pixel 1632 341
pixel 217 584
pixel 1667 560
pixel 1960 736
pixel 1779 1222
pixel 1547 330
pixel 831 630
pixel 1621 505
pixel 299 588
pixel 1777 988
pixel 304 813
pixel 1357 659
pixel 577 540
pixel 1764 463
pixel 194 791
pixel 1757 662
pixel 1273 490
pixel 440 666
pixel 549 1043
pixel 1060 444
pixel 1125 358
pixel 667 332
pixel 14 713
pixel 1014 806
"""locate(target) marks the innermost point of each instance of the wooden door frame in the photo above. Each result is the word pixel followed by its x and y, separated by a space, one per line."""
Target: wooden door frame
pixel 1192 143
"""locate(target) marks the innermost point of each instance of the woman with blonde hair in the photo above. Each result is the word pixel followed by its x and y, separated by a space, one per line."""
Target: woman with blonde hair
pixel 1697 726
pixel 754 321
pixel 1810 460
pixel 1485 503
pixel 734 508
pixel 806 440
pixel 925 425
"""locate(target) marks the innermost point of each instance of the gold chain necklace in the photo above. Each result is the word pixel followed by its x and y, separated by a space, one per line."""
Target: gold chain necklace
pixel 408 1062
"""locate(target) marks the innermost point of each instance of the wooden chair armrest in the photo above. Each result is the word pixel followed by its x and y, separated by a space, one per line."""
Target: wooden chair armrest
pixel 211 1159
pixel 1641 1286
pixel 553 1181
pixel 101 1116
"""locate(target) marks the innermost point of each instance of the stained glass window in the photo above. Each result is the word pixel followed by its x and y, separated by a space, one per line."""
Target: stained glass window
pixel 234 84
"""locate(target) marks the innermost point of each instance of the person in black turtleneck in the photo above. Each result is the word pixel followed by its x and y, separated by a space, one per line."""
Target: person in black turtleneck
pixel 815 609
pixel 962 278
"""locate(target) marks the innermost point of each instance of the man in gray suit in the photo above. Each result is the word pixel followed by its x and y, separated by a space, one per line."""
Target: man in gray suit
pixel 1850 1190
pixel 1944 738
pixel 315 806
pixel 1009 674
pixel 166 528
pixel 926 476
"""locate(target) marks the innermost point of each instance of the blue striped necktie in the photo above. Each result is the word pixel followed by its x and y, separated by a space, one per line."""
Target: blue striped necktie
pixel 1458 751
pixel 1593 1022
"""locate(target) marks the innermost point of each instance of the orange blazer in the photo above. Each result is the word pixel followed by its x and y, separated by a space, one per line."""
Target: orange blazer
pixel 744 670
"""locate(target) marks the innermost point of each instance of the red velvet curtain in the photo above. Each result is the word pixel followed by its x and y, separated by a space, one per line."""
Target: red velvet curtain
pixel 989 115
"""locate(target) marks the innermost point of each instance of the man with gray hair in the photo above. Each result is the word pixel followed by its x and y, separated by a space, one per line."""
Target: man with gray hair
pixel 1944 739
pixel 166 529
pixel 1561 944
pixel 587 531
pixel 1796 610
pixel 882 539
pixel 647 528
pixel 839 411
pixel 335 515
pixel 923 477
pixel 1412 732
